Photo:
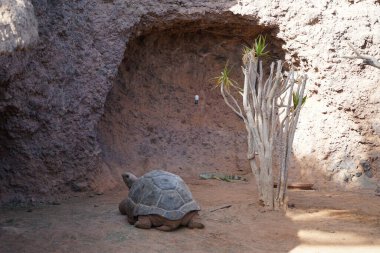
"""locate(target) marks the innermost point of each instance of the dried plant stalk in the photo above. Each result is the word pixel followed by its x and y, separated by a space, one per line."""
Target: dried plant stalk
pixel 268 122
pixel 367 60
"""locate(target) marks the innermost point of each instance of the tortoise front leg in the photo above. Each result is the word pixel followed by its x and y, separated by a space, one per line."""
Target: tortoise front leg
pixel 143 222
pixel 123 206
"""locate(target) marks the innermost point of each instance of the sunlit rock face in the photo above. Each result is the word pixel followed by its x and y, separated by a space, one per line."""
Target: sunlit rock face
pixel 18 25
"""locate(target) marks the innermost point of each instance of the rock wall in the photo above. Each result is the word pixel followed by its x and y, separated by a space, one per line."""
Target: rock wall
pixel 52 96
pixel 151 119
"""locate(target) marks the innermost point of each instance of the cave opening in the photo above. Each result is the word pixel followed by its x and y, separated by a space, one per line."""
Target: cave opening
pixel 151 119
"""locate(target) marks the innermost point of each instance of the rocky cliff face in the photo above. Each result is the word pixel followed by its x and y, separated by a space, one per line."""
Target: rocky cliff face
pixel 57 98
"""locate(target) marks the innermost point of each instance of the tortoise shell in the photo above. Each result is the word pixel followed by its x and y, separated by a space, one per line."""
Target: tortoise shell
pixel 162 193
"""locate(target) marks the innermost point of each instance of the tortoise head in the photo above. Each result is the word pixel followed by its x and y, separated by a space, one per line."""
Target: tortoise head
pixel 129 179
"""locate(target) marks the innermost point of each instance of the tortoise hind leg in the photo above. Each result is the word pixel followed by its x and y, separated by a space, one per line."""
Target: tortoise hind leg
pixel 143 222
pixel 192 220
pixel 195 223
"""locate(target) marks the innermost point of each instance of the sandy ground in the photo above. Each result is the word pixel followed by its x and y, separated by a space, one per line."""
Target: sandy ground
pixel 318 222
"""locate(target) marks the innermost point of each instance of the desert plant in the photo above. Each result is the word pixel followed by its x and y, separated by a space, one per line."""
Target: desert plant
pixel 270 110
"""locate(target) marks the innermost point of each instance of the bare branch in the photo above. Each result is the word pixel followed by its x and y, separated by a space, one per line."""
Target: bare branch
pixel 236 110
pixel 367 60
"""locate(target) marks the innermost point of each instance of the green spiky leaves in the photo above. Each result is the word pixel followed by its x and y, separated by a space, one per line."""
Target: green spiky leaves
pixel 258 49
pixel 296 100
pixel 224 78
pixel 260 45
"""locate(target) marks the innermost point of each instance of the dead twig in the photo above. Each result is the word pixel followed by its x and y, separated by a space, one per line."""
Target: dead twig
pixel 221 207
pixel 299 186
pixel 367 60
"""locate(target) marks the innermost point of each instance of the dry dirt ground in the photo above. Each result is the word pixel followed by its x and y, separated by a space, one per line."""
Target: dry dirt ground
pixel 318 221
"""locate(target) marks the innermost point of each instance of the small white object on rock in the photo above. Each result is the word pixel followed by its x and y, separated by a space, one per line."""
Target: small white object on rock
pixel 196 99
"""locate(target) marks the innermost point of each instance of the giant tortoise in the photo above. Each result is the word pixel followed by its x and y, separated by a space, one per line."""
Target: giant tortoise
pixel 159 199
